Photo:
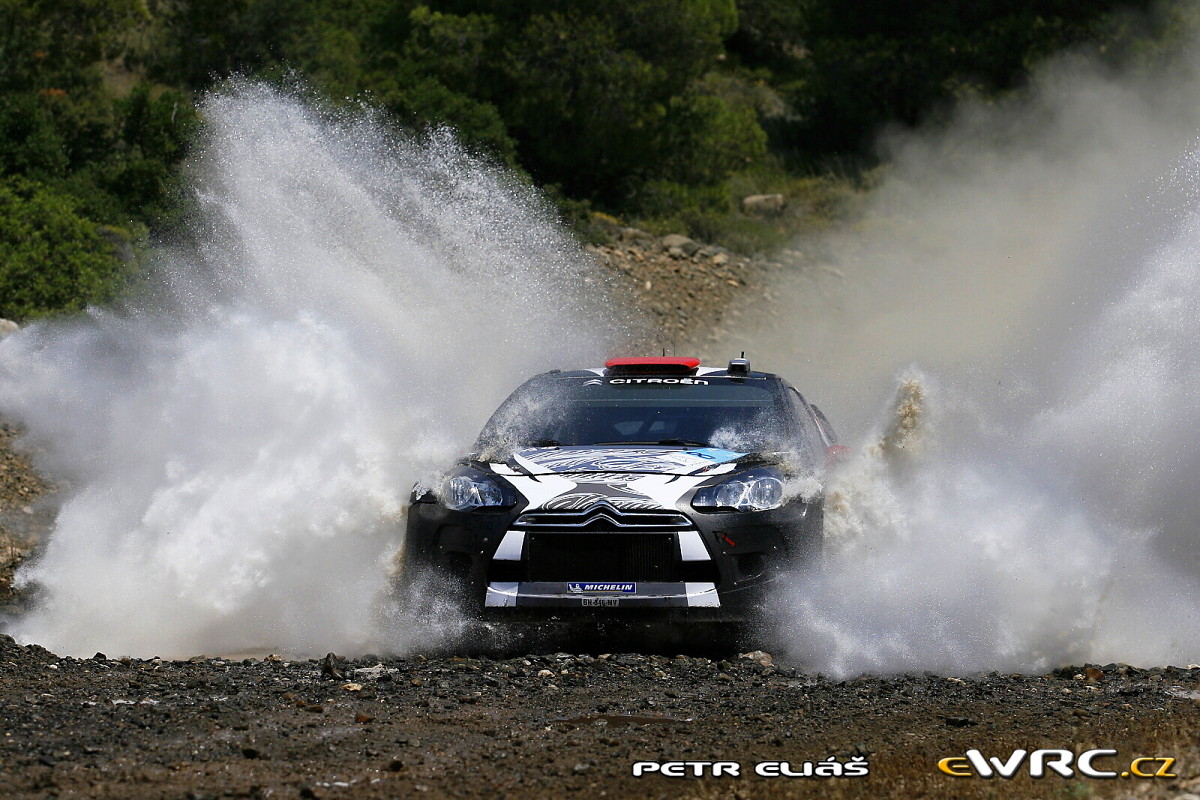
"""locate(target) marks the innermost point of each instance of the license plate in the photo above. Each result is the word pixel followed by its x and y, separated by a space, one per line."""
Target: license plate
pixel 606 602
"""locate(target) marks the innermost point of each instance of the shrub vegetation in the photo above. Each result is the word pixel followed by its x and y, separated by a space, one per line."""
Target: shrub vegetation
pixel 662 112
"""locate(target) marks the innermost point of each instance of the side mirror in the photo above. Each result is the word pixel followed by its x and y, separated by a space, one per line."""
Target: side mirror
pixel 835 454
pixel 420 494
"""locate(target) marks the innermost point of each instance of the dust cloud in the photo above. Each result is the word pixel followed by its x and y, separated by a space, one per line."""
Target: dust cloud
pixel 1009 340
pixel 240 438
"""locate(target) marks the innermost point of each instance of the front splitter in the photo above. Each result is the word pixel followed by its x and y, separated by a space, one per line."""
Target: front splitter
pixel 590 594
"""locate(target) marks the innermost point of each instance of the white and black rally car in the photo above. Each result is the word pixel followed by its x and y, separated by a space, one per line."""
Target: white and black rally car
pixel 653 486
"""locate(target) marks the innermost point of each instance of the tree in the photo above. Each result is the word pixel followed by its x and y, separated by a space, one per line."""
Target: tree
pixel 52 43
pixel 593 93
pixel 51 257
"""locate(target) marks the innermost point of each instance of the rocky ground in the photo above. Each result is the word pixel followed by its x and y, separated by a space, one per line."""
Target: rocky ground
pixel 687 289
pixel 554 725
pixel 25 513
pixel 544 724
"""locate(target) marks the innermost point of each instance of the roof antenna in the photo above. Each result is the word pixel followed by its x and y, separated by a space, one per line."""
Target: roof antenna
pixel 664 352
pixel 739 367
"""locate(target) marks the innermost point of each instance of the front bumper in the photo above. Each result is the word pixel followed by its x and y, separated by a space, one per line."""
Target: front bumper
pixel 719 565
pixel 535 594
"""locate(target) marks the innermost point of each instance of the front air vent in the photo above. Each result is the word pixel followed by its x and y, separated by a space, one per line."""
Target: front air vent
pixel 602 517
pixel 616 557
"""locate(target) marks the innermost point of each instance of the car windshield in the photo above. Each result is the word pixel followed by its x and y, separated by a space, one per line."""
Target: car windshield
pixel 741 415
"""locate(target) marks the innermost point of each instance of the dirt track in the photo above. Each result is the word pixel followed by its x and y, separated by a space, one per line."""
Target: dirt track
pixel 560 725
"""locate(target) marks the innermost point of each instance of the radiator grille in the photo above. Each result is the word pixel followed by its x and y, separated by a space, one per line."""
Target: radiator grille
pixel 607 557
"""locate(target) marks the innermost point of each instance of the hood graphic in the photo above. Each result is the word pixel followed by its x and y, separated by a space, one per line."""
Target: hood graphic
pixel 627 478
pixel 653 460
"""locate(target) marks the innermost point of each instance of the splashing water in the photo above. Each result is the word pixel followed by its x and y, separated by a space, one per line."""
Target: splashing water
pixel 944 557
pixel 1027 498
pixel 240 442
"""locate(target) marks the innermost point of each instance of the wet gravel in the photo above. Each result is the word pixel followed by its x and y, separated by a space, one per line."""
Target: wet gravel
pixel 556 725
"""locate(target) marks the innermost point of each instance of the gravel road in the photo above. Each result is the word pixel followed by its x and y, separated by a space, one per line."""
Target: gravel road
pixel 565 725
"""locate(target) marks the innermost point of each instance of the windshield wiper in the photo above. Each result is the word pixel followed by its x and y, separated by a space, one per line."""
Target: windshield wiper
pixel 545 443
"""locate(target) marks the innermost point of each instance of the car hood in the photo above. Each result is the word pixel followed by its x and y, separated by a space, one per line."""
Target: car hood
pixel 649 459
pixel 625 477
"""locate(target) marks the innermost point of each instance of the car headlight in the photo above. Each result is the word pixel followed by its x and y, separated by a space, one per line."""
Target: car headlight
pixel 467 489
pixel 756 490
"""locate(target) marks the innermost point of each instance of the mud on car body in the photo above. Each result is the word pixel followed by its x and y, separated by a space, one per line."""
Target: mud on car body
pixel 651 486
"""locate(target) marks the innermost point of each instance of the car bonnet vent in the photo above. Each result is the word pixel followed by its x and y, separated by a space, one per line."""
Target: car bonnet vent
pixel 651 365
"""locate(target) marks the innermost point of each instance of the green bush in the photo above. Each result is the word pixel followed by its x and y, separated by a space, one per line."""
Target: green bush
pixel 51 258
pixel 665 112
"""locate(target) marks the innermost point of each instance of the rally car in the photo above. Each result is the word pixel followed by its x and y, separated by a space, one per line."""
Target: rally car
pixel 649 486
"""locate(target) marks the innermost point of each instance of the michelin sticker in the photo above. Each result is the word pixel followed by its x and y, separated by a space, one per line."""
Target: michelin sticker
pixel 608 588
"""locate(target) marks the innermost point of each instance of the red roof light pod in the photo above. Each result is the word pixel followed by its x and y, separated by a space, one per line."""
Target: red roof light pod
pixel 690 363
pixel 652 365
